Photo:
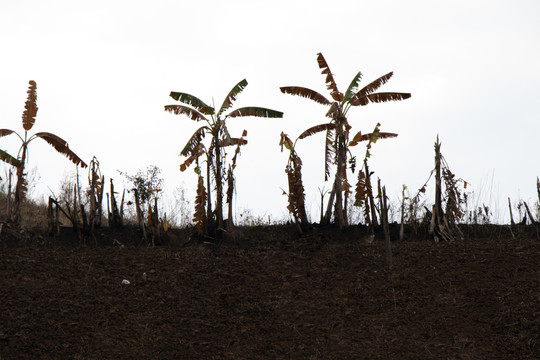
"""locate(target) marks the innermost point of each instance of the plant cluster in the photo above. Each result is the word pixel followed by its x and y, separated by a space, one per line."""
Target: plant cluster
pixel 214 153
pixel 219 169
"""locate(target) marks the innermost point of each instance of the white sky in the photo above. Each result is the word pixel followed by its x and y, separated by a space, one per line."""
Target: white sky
pixel 104 70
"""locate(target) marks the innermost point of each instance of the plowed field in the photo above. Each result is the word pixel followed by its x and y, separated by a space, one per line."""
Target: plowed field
pixel 320 297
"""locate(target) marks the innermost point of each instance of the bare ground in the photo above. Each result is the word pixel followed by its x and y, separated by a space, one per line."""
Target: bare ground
pixel 272 296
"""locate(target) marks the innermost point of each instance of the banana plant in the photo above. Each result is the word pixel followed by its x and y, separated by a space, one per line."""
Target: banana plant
pixel 214 126
pixel 19 161
pixel 364 189
pixel 337 135
pixel 296 195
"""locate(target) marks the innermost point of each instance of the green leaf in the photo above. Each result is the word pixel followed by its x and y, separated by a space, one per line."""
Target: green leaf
pixel 197 170
pixel 353 87
pixel 194 141
pixel 7 158
pixel 256 111
pixel 288 146
pixel 192 101
pixel 237 89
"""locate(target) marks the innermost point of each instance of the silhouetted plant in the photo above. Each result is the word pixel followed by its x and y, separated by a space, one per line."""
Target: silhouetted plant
pixel 296 195
pixel 216 127
pixel 364 189
pixel 146 187
pixel 337 130
pixel 60 145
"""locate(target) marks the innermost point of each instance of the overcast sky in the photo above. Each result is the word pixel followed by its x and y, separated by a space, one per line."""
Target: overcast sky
pixel 104 70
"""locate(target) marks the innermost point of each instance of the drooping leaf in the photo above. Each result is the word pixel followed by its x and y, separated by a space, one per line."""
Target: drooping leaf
pixel 353 87
pixel 360 196
pixel 296 189
pixel 30 107
pixel 61 146
pixel 334 112
pixel 345 186
pixel 329 152
pixel 193 157
pixel 225 135
pixel 7 158
pixel 233 141
pixel 22 184
pixel 365 137
pixel 194 141
pixel 256 111
pixel 305 93
pixel 330 82
pixel 5 132
pixel 239 142
pixel 386 135
pixel 379 98
pixel 237 89
pixel 199 217
pixel 317 129
pixel 192 101
pixel 181 109
pixel 357 138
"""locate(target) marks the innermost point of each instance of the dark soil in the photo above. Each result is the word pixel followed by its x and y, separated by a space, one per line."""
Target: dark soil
pixel 269 296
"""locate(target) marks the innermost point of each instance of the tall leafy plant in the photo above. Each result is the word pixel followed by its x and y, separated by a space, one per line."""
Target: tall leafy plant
pixel 338 128
pixel 296 195
pixel 364 189
pixel 214 120
pixel 19 161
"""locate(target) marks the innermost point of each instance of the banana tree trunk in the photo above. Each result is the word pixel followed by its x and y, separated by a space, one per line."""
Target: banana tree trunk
pixel 20 190
pixel 338 213
pixel 219 187
pixel 328 214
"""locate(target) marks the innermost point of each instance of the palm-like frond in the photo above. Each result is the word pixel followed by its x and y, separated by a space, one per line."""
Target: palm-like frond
pixel 379 98
pixel 194 156
pixel 5 132
pixel 256 111
pixel 374 85
pixel 330 82
pixel 181 109
pixel 334 112
pixel 361 193
pixel 239 142
pixel 194 140
pixel 199 217
pixel 305 93
pixel 30 107
pixel 237 89
pixel 329 152
pixel 233 141
pixel 353 87
pixel 61 146
pixel 192 101
pixel 317 129
pixel 359 137
pixel 7 158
